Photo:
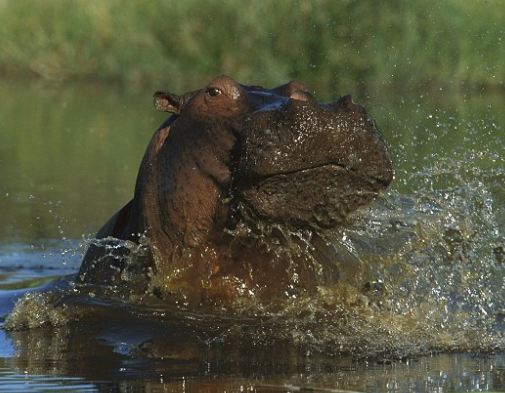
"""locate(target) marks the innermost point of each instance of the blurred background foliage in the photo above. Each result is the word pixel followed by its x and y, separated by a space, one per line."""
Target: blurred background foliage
pixel 332 45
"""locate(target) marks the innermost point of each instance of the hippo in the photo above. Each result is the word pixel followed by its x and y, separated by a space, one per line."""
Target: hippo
pixel 235 192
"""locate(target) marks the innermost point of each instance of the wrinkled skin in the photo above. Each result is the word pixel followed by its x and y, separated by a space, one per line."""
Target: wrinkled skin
pixel 232 155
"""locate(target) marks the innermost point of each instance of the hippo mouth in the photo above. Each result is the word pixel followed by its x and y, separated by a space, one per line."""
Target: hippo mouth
pixel 320 197
pixel 311 164
pixel 306 171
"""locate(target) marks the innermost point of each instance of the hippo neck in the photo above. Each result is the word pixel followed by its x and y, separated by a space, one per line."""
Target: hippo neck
pixel 179 192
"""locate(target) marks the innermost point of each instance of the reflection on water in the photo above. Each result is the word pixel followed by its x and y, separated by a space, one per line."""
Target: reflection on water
pixel 13 382
pixel 420 272
pixel 108 361
pixel 68 158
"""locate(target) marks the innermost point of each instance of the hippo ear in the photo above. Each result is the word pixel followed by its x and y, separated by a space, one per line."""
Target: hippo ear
pixel 167 102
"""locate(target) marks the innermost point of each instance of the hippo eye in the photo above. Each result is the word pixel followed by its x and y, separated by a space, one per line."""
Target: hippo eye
pixel 214 91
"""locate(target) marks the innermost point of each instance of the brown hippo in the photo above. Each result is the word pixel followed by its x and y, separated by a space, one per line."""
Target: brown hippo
pixel 234 191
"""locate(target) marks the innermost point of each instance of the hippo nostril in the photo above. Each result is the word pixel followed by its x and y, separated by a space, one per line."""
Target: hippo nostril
pixel 301 95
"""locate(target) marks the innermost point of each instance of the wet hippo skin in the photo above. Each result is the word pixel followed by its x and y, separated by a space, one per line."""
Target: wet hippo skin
pixel 233 165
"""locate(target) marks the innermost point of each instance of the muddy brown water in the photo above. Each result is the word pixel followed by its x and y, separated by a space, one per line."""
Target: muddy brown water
pixel 420 302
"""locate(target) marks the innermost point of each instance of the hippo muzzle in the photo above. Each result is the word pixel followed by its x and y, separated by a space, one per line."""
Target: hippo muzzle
pixel 311 164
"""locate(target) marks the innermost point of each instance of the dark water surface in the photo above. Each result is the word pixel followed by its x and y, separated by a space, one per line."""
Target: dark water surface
pixel 421 301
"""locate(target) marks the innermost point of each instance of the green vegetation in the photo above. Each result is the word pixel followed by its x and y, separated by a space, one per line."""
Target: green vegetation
pixel 330 44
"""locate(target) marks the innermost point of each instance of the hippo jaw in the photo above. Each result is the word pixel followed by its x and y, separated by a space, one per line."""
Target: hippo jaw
pixel 311 165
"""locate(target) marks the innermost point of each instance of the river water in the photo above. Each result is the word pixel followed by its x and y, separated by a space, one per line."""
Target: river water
pixel 419 306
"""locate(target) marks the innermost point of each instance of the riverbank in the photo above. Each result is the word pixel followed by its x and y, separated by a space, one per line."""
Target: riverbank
pixel 332 45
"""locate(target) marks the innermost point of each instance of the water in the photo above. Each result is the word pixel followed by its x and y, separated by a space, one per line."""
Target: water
pixel 419 305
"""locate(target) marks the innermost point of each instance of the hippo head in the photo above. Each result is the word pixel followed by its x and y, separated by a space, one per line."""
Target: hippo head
pixel 284 157
pixel 309 164
pixel 234 154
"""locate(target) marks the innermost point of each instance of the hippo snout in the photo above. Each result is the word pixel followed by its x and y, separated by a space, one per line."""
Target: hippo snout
pixel 304 158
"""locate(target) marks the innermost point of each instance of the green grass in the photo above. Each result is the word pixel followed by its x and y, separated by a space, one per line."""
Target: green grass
pixel 331 44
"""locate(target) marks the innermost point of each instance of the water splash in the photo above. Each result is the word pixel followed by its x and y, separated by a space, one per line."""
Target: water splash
pixel 422 270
